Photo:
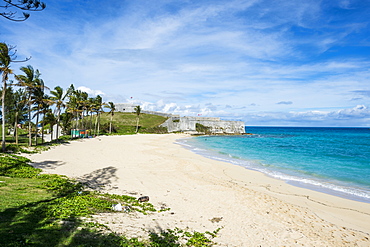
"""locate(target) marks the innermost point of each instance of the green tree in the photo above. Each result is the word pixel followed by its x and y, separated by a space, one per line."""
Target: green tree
pixel 43 103
pixel 137 110
pixel 30 82
pixel 16 109
pixel 50 119
pixel 66 121
pixel 7 56
pixel 112 109
pixel 97 108
pixel 9 9
pixel 58 97
pixel 5 71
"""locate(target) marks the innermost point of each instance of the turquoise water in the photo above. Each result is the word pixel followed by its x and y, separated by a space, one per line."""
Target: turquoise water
pixel 330 160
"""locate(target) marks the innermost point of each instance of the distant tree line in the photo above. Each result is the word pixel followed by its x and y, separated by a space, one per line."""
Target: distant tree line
pixel 26 105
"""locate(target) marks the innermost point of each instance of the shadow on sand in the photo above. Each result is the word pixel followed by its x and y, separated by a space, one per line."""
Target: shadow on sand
pixel 100 179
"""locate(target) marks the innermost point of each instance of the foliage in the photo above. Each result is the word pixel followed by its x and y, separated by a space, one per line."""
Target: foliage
pixel 14 148
pixel 172 238
pixel 108 128
pixel 155 130
pixel 125 123
pixel 200 128
pixel 16 166
pixel 45 210
pixel 10 9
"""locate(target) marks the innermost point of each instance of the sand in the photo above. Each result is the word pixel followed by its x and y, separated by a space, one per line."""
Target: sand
pixel 203 194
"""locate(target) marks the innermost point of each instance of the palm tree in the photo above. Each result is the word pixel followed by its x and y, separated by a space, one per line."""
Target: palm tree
pixel 29 81
pixel 41 102
pixel 58 99
pixel 44 109
pixel 5 60
pixel 111 108
pixel 83 105
pixel 50 119
pixel 66 121
pixel 137 110
pixel 20 110
pixel 98 103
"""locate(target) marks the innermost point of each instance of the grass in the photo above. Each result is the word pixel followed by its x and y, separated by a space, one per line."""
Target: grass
pixel 46 210
pixel 125 123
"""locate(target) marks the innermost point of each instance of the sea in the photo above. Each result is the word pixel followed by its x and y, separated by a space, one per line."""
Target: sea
pixel 335 161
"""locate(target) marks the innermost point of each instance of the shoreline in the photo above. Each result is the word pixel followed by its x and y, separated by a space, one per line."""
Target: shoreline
pixel 330 187
pixel 253 209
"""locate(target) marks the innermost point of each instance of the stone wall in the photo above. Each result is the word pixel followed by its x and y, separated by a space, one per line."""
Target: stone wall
pixel 217 126
pixel 125 107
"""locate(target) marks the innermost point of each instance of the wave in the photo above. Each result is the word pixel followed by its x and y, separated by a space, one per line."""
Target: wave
pixel 331 187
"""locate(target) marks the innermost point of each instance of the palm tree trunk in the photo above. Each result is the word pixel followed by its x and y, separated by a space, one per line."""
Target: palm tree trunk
pixel 3 115
pixel 37 123
pixel 42 131
pixel 110 124
pixel 29 121
pixel 137 124
pixel 98 123
pixel 16 128
pixel 58 122
pixel 29 128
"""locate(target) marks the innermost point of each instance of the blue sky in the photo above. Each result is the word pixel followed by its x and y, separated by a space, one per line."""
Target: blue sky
pixel 276 62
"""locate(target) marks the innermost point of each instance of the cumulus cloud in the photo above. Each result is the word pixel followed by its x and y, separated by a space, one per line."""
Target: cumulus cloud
pixel 90 91
pixel 233 59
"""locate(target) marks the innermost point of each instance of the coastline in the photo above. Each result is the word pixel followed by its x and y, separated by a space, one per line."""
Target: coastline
pixel 323 186
pixel 251 208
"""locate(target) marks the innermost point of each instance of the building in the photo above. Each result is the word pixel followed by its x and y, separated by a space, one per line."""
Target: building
pixel 215 125
pixel 125 107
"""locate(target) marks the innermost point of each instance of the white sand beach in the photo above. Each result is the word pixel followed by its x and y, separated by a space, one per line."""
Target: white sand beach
pixel 204 194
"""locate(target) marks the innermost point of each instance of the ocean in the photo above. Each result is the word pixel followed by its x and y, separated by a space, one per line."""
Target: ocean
pixel 330 160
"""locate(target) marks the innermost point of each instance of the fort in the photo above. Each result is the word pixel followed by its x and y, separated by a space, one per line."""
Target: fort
pixel 175 123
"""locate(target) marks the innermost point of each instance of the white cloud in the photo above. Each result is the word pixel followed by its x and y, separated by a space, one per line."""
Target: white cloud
pixel 235 59
pixel 90 91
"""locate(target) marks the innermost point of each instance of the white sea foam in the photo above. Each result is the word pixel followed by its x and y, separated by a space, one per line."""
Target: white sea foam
pixel 329 187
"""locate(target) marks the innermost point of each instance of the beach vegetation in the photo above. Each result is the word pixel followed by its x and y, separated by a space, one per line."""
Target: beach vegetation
pixel 58 97
pixel 137 110
pixel 52 210
pixel 29 113
pixel 200 128
pixel 112 108
pixel 30 81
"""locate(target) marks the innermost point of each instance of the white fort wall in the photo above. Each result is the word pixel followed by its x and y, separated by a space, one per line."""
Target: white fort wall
pixel 188 124
pixel 175 123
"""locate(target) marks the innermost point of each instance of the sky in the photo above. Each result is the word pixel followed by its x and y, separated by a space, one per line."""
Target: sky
pixel 264 62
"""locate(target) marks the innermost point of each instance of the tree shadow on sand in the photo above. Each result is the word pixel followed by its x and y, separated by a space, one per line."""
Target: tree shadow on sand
pixel 48 164
pixel 100 179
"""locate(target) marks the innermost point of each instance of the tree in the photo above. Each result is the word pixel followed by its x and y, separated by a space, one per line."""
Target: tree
pixel 30 81
pixel 58 99
pixel 10 9
pixel 7 56
pixel 98 103
pixel 137 110
pixel 16 108
pixel 5 60
pixel 50 119
pixel 111 108
pixel 66 121
pixel 42 106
